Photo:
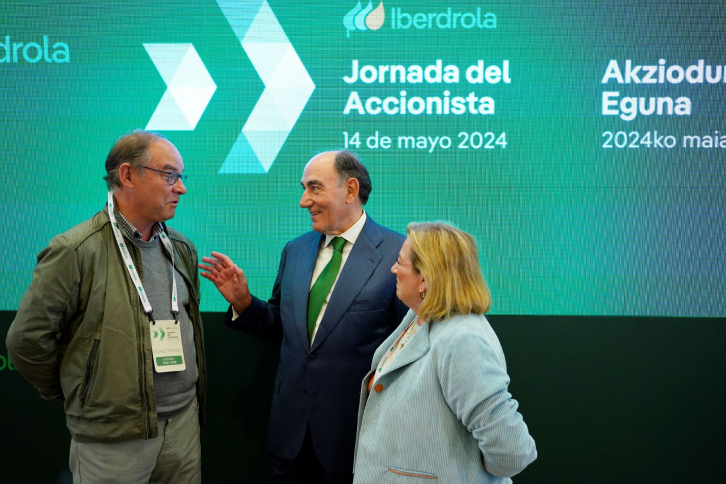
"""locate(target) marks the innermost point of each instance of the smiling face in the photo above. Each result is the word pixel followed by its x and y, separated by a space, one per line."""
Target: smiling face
pixel 409 282
pixel 333 209
pixel 154 199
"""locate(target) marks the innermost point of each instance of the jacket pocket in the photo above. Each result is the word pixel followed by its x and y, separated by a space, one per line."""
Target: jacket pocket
pixel 367 306
pixel 408 472
pixel 90 373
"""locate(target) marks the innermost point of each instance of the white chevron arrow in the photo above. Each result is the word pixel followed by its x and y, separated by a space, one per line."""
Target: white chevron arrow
pixel 288 86
pixel 189 87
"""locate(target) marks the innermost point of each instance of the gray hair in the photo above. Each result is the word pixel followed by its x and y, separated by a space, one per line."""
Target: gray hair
pixel 348 165
pixel 132 148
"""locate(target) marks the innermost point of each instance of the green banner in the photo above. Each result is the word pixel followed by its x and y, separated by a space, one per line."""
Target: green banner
pixel 578 141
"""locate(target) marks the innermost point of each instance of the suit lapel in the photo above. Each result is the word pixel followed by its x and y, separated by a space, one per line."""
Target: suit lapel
pixel 418 345
pixel 362 261
pixel 392 338
pixel 301 290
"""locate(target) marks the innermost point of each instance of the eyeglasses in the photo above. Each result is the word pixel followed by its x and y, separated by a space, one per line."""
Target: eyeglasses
pixel 172 176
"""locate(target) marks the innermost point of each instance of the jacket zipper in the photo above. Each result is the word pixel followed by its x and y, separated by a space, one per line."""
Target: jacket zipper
pixel 142 360
pixel 141 316
pixel 89 372
pixel 196 325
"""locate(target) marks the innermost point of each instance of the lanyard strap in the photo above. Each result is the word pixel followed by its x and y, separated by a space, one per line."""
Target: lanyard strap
pixel 131 268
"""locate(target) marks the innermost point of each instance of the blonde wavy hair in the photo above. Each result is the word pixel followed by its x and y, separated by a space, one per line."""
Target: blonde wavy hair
pixel 448 259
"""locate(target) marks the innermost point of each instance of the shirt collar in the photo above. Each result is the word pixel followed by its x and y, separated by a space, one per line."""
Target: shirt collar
pixel 131 232
pixel 350 235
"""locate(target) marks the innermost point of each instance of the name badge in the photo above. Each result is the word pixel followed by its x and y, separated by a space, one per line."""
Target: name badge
pixel 166 346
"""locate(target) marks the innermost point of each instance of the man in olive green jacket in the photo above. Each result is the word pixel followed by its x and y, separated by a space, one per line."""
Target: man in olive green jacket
pixel 84 329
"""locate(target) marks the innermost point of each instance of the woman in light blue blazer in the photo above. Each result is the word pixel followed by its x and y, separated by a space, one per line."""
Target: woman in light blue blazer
pixel 435 404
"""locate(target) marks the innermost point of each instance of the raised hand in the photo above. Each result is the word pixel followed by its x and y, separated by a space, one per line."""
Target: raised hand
pixel 229 279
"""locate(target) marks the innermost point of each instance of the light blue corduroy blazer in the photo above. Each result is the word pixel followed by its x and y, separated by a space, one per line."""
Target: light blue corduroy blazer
pixel 441 410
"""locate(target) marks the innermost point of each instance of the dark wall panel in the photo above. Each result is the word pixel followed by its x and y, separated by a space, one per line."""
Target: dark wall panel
pixel 629 400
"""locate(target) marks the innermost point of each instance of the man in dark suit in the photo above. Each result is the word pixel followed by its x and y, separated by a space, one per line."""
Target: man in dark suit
pixel 327 334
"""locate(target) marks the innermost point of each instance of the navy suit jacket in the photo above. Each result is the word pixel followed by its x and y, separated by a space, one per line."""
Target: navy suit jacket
pixel 319 386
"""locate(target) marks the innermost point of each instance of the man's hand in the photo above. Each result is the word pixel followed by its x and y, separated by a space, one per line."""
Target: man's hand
pixel 229 279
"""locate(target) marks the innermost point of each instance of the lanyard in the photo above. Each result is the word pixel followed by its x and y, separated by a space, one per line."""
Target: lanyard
pixel 131 268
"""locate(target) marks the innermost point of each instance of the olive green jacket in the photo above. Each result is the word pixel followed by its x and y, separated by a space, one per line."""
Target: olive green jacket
pixel 81 335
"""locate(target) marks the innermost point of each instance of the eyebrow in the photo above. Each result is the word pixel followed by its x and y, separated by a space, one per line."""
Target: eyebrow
pixel 312 182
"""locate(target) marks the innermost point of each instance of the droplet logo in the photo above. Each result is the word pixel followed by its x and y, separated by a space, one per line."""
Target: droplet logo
pixel 366 18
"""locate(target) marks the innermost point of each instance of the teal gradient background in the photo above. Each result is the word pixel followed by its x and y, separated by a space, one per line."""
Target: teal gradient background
pixel 564 226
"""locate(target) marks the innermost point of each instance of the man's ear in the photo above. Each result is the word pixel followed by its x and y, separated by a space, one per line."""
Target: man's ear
pixel 124 175
pixel 351 189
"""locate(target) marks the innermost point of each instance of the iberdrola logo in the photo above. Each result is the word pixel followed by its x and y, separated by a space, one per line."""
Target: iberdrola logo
pixel 365 18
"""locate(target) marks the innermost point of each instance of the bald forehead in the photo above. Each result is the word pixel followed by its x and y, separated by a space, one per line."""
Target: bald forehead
pixel 323 159
pixel 320 168
pixel 165 155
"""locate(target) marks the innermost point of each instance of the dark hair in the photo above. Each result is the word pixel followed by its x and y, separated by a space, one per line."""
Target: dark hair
pixel 131 148
pixel 348 165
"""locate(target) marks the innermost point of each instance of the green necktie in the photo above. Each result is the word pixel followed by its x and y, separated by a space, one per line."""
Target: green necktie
pixel 322 285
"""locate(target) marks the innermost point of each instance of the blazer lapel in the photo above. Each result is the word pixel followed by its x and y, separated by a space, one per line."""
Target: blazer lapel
pixel 418 345
pixel 301 290
pixel 362 261
pixel 392 339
